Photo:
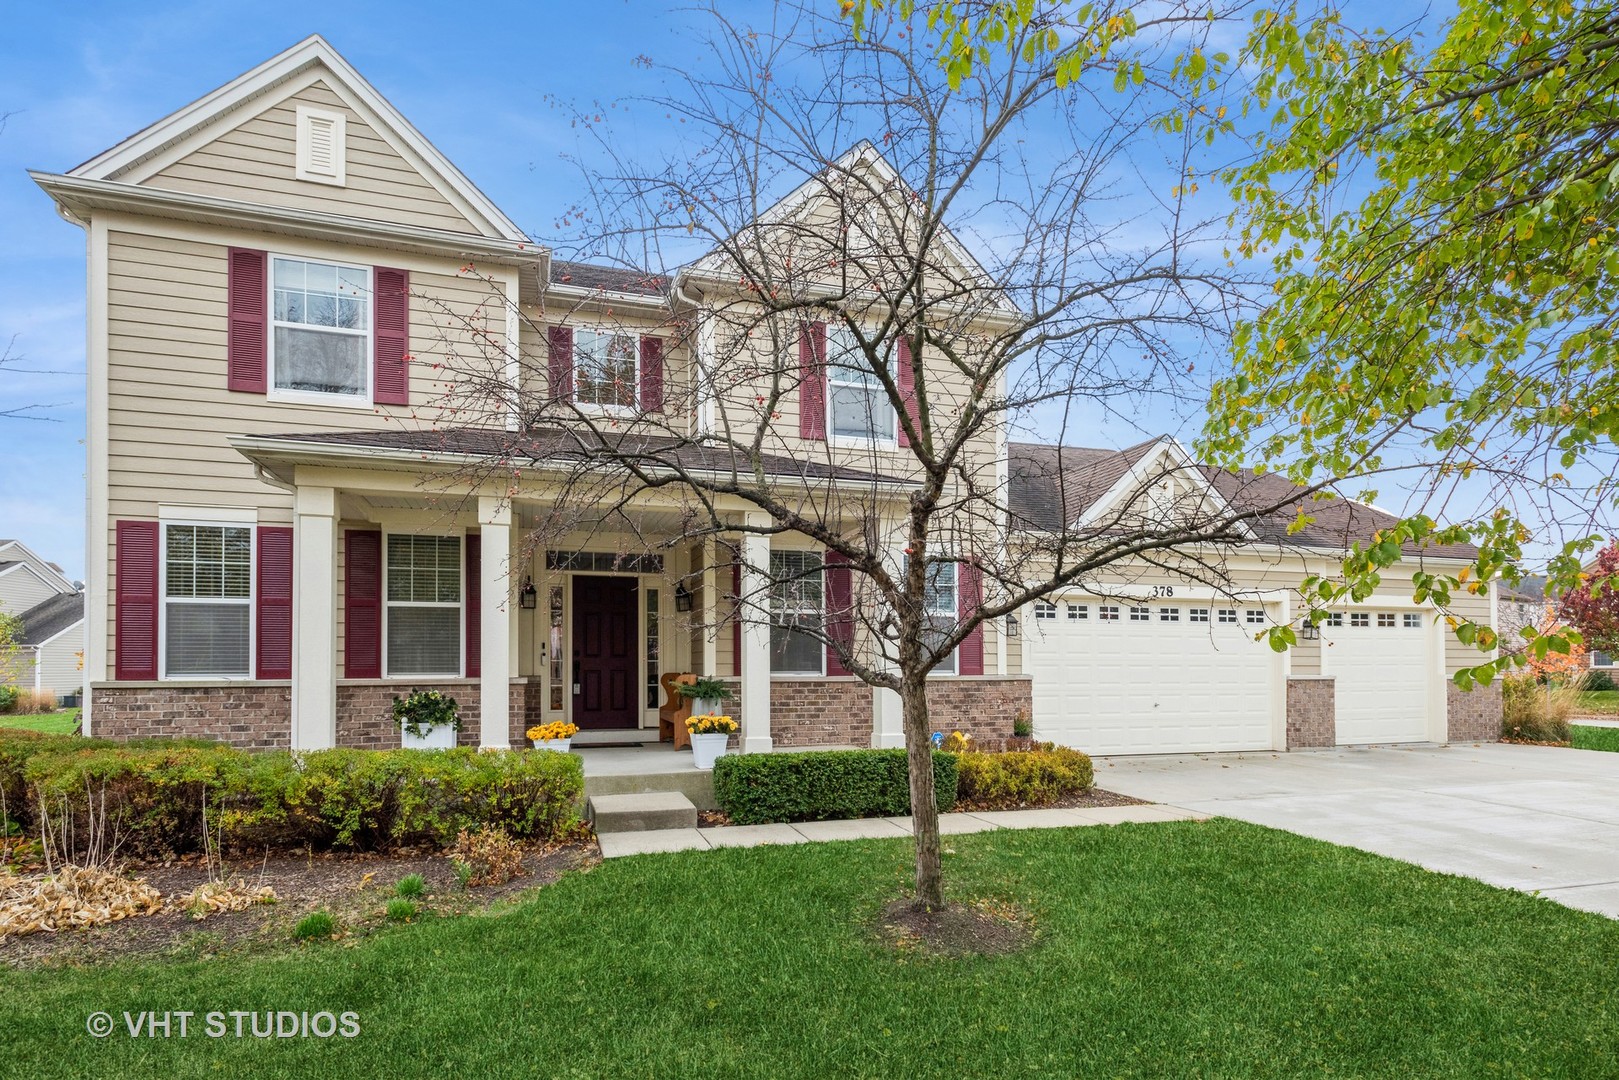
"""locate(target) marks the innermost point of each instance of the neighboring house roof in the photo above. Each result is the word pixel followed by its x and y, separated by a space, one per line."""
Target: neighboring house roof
pixel 1531 590
pixel 47 620
pixel 564 448
pixel 14 553
pixel 1052 486
pixel 608 278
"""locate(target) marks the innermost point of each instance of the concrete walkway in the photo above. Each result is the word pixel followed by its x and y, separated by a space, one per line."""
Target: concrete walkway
pixel 1539 819
pixel 614 845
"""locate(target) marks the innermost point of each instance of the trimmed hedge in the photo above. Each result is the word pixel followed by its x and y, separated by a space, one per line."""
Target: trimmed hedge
pixel 1021 778
pixel 818 785
pixel 369 800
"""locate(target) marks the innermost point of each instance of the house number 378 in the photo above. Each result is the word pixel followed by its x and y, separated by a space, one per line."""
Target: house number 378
pixel 1163 590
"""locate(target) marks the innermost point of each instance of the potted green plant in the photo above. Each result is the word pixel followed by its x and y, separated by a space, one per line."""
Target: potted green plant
pixel 707 694
pixel 427 720
pixel 710 735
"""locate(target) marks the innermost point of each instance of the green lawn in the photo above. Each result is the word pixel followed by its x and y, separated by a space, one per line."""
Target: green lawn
pixel 1600 702
pixel 1213 949
pixel 1586 737
pixel 60 722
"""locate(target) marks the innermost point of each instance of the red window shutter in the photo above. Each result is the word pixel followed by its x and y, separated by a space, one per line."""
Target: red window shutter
pixel 560 341
pixel 275 602
pixel 390 316
pixel 736 623
pixel 652 374
pixel 970 595
pixel 135 600
pixel 839 610
pixel 247 304
pixel 905 380
pixel 362 604
pixel 812 381
pixel 474 606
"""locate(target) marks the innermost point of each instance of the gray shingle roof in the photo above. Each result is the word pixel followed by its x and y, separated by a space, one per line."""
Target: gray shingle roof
pixel 568 447
pixel 48 618
pixel 1052 485
pixel 608 278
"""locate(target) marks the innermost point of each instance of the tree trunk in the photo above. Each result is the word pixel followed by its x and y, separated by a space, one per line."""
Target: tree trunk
pixel 924 801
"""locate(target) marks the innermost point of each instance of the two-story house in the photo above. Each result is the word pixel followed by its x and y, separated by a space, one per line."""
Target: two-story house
pixel 50 612
pixel 314 484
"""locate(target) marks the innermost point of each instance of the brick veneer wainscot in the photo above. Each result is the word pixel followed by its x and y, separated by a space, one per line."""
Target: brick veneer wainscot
pixel 1474 715
pixel 253 715
pixel 820 712
pixel 1312 712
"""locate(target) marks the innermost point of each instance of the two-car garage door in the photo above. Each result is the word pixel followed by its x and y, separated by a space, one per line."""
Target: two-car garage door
pixel 1381 672
pixel 1160 677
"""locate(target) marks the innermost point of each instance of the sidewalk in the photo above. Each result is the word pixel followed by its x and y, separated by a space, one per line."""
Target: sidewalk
pixel 614 845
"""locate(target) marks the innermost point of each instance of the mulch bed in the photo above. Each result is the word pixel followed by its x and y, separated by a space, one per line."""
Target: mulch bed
pixel 355 888
pixel 963 928
pixel 712 819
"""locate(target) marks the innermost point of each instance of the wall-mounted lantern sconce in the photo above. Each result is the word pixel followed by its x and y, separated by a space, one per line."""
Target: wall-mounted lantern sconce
pixel 1311 631
pixel 682 597
pixel 1011 626
pixel 528 596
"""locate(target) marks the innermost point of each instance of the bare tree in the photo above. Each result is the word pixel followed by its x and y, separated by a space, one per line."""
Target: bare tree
pixel 824 219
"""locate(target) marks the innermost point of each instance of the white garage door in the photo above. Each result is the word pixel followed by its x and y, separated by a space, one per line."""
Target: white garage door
pixel 1381 671
pixel 1169 677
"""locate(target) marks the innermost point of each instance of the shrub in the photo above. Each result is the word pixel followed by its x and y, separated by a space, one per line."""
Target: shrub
pixel 1022 726
pixel 1531 712
pixel 411 886
pixel 493 857
pixel 1598 680
pixel 317 924
pixel 30 702
pixel 401 910
pixel 9 696
pixel 356 799
pixel 823 784
pixel 1023 778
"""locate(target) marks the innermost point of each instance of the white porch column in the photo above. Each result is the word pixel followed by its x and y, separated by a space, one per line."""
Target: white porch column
pixel 495 670
pixel 755 645
pixel 314 622
pixel 887 711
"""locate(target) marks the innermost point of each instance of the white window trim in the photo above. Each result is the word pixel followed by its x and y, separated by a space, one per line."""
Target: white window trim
pixel 591 407
pixel 302 169
pixel 880 442
pixel 461 606
pixel 163 600
pixel 821 652
pixel 365 401
pixel 954 613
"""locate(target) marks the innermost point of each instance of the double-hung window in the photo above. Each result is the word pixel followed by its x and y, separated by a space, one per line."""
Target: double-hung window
pixel 207 601
pixel 943 611
pixel 858 408
pixel 424 605
pixel 796 605
pixel 320 330
pixel 605 368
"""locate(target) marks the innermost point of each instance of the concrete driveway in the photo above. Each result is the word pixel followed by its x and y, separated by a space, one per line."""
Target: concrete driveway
pixel 1538 819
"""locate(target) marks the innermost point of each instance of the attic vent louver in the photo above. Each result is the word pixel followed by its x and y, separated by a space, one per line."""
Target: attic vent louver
pixel 321 146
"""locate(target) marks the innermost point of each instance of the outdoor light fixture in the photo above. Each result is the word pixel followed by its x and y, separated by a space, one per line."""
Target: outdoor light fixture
pixel 1311 631
pixel 682 597
pixel 1011 626
pixel 528 596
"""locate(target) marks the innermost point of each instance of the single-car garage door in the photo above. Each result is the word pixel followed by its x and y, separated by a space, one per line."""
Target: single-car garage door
pixel 1381 674
pixel 1166 677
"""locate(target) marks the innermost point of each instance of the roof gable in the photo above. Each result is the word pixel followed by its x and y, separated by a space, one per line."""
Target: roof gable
pixel 158 154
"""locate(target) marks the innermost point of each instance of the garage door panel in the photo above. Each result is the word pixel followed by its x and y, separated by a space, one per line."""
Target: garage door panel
pixel 1134 687
pixel 1381 674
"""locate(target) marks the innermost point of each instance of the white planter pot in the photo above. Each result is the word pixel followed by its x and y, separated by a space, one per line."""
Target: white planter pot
pixel 441 737
pixel 707 749
pixel 705 707
pixel 559 745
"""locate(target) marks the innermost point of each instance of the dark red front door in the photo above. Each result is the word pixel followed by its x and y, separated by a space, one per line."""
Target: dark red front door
pixel 604 657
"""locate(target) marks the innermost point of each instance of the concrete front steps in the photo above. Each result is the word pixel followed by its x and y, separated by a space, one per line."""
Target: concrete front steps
pixel 696 785
pixel 641 811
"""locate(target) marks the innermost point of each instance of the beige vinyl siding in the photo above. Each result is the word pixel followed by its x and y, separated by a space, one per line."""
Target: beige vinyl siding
pixel 21 589
pixel 254 162
pixel 170 414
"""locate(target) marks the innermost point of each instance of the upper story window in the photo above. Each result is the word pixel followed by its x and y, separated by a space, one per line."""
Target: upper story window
pixel 207 601
pixel 606 371
pixel 320 341
pixel 858 408
pixel 424 605
pixel 795 604
pixel 943 611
